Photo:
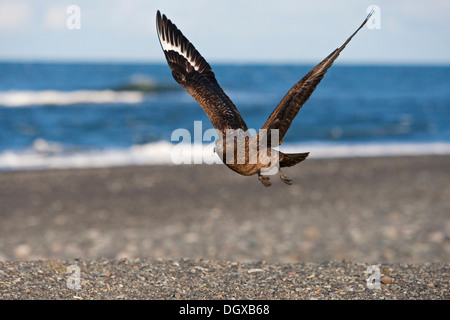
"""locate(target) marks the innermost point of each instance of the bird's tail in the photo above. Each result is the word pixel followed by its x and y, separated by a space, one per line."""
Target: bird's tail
pixel 291 159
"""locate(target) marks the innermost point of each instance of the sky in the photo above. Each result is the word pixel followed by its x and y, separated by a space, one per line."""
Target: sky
pixel 232 31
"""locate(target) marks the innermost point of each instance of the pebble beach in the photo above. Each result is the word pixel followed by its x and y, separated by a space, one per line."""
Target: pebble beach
pixel 204 232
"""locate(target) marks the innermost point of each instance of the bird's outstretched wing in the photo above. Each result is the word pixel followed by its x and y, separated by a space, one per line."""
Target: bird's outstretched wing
pixel 283 115
pixel 195 75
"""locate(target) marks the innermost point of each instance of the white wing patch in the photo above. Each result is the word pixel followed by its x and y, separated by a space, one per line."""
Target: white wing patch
pixel 167 46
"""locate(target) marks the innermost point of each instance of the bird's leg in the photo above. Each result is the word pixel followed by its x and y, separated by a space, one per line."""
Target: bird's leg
pixel 284 178
pixel 265 180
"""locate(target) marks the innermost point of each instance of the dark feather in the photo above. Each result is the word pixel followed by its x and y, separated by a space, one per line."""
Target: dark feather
pixel 194 74
pixel 283 115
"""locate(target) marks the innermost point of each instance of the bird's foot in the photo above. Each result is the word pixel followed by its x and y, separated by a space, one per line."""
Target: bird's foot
pixel 265 180
pixel 284 178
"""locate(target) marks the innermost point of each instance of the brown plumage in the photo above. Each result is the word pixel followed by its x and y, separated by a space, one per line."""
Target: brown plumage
pixel 195 75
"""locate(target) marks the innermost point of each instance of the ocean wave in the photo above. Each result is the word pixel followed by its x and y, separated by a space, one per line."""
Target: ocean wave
pixel 354 150
pixel 51 155
pixel 53 97
pixel 144 83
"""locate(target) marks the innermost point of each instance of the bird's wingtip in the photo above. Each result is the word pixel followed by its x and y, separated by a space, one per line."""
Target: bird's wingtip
pixel 160 17
pixel 369 15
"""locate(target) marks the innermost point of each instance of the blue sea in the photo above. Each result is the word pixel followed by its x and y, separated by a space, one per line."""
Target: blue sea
pixel 67 115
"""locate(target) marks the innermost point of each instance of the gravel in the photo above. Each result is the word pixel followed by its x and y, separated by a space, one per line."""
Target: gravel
pixel 208 279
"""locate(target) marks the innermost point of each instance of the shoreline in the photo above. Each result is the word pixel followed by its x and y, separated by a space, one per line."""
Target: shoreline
pixel 47 155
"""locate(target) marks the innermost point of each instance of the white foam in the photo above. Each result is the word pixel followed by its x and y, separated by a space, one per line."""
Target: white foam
pixel 52 97
pixel 50 155
pixel 323 150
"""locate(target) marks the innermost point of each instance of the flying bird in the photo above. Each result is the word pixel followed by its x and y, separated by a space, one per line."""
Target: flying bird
pixel 242 153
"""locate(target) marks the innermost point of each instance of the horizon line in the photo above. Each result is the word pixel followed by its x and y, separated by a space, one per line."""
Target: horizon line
pixel 222 62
